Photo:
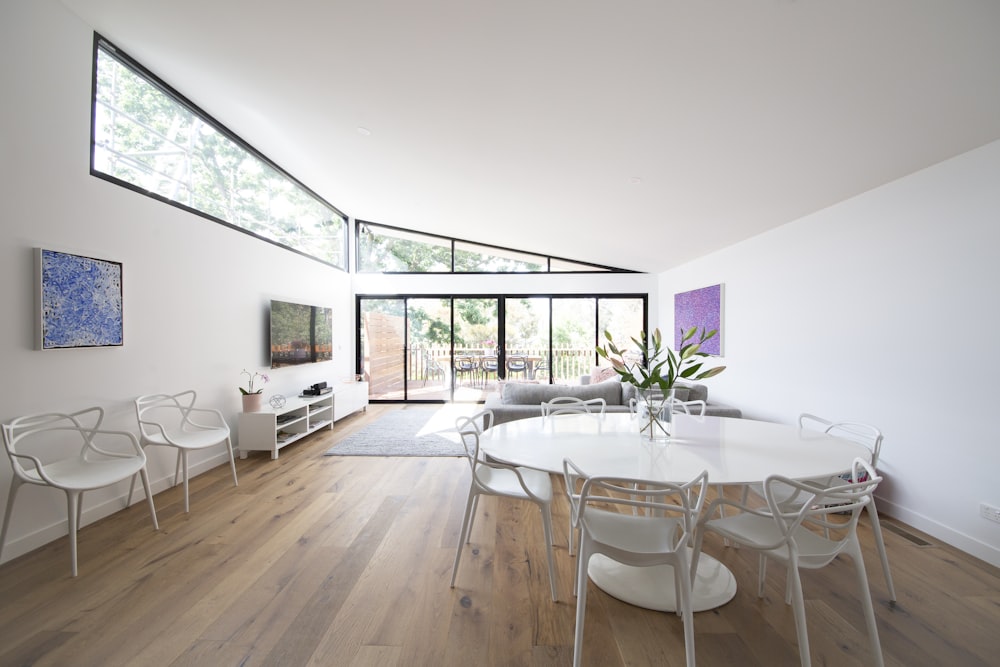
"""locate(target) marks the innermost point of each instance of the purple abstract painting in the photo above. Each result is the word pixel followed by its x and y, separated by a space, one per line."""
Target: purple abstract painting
pixel 700 308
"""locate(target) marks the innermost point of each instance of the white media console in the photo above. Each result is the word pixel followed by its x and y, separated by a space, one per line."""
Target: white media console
pixel 273 428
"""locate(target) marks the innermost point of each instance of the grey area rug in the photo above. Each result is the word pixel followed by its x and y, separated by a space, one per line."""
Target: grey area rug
pixel 408 432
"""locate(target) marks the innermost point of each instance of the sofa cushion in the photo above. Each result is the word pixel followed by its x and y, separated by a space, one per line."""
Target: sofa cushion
pixel 602 373
pixel 536 394
pixel 695 392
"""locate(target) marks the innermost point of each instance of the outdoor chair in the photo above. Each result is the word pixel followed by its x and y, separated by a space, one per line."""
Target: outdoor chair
pixel 517 365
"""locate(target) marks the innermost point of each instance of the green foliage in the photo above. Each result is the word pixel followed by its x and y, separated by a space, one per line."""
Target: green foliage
pixel 145 137
pixel 661 366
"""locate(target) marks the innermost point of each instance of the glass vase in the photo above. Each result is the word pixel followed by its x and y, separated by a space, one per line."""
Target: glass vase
pixel 655 414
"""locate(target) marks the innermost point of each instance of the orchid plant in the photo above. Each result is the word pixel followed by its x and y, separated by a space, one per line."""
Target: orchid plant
pixel 254 377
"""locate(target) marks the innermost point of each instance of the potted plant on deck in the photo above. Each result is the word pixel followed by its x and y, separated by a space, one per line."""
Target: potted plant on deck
pixel 656 373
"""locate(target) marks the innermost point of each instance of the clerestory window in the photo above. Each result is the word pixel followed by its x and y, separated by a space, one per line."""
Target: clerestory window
pixel 148 138
pixel 384 249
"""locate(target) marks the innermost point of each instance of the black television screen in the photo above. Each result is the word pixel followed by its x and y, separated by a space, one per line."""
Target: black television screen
pixel 300 334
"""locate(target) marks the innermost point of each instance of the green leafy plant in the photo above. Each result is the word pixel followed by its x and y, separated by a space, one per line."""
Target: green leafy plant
pixel 658 366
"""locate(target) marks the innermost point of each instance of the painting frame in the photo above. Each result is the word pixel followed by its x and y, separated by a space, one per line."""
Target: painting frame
pixel 701 308
pixel 79 299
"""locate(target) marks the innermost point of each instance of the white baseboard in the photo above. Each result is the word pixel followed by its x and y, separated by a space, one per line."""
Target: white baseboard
pixel 966 543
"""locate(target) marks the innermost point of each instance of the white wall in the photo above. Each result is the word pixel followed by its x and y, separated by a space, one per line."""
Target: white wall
pixel 881 309
pixel 196 293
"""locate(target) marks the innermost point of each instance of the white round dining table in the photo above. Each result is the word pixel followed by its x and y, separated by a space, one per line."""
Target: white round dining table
pixel 733 451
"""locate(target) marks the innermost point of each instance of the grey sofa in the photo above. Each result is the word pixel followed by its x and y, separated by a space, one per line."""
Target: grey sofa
pixel 522 400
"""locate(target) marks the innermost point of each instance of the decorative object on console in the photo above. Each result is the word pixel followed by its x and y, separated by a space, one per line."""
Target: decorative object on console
pixel 251 396
pixel 80 301
pixel 654 375
pixel 317 389
pixel 277 401
pixel 702 309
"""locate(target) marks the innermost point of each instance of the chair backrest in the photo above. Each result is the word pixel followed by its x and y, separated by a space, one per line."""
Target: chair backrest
pixel 517 363
pixel 490 364
pixel 816 507
pixel 865 434
pixel 468 432
pixel 164 413
pixel 562 405
pixel 34 441
pixel 478 422
pixel 466 363
pixel 696 408
pixel 641 497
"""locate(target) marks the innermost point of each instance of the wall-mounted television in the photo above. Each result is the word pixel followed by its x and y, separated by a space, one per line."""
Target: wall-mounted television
pixel 300 334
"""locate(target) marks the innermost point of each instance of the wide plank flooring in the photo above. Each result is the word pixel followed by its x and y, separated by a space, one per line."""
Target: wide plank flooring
pixel 317 560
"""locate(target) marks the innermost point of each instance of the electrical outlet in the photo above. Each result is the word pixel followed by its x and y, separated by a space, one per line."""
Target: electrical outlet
pixel 989 512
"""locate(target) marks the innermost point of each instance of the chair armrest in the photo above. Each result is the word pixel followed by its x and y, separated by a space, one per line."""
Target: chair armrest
pixel 221 422
pixel 115 434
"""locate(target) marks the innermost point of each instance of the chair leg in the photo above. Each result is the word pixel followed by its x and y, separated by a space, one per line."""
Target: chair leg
pixel 73 510
pixel 131 488
pixel 15 484
pixel 470 510
pixel 547 529
pixel 799 607
pixel 472 517
pixel 232 461
pixel 854 549
pixel 761 574
pixel 184 464
pixel 880 545
pixel 682 581
pixel 149 496
pixel 177 467
pixel 581 603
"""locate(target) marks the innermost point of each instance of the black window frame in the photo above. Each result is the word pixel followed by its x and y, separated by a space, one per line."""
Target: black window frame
pixel 154 80
pixel 451 241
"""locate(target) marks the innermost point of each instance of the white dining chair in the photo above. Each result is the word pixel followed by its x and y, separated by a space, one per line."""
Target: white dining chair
pixel 492 478
pixel 566 405
pixel 173 420
pixel 870 437
pixel 808 533
pixel 659 533
pixel 39 448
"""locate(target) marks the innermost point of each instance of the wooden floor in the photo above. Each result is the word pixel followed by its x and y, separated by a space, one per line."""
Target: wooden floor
pixel 317 560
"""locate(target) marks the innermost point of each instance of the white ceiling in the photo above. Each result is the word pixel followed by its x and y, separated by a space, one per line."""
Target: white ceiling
pixel 526 123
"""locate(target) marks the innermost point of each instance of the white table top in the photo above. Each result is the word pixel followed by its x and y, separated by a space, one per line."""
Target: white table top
pixel 734 451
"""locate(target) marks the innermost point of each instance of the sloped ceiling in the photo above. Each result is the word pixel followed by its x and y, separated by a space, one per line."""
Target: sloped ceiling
pixel 637 134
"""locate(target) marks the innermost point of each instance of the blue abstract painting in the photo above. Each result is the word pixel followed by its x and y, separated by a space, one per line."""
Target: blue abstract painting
pixel 700 308
pixel 81 301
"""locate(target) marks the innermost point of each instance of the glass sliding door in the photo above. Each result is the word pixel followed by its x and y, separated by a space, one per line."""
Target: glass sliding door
pixel 476 359
pixel 445 348
pixel 428 325
pixel 574 337
pixel 526 346
pixel 383 347
pixel 624 319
